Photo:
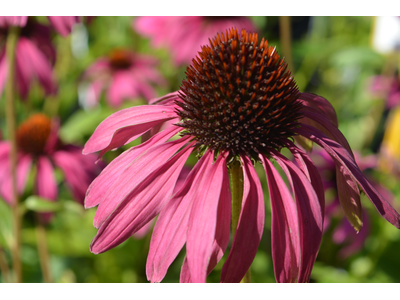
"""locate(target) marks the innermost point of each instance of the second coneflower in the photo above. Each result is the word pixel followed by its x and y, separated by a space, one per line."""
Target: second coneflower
pixel 238 107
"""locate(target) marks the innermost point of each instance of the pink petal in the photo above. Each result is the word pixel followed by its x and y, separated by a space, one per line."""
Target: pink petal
pixel 321 104
pixel 250 227
pixel 349 197
pixel 342 157
pixel 326 127
pixel 203 219
pixel 123 86
pixel 126 125
pixel 24 163
pixel 3 72
pixel 142 204
pixel 76 176
pixel 311 171
pixel 309 215
pixel 133 175
pixel 169 234
pixel 284 229
pixel 99 187
pixel 63 24
pixel 39 64
pixel 168 99
pixel 185 272
pixel 46 185
pixel 222 231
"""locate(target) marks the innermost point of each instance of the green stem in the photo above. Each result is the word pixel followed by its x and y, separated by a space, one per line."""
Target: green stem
pixel 286 40
pixel 236 183
pixel 44 257
pixel 11 43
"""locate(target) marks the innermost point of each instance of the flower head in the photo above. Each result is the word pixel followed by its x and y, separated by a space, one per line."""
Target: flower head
pixel 239 104
pixel 39 145
pixel 35 57
pixel 124 74
pixel 184 35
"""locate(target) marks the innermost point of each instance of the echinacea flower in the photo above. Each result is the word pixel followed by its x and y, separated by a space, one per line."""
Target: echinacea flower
pixel 184 35
pixel 344 233
pixel 35 57
pixel 238 105
pixel 17 21
pixel 63 24
pixel 125 74
pixel 39 145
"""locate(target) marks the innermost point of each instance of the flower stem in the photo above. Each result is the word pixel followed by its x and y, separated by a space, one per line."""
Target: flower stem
pixel 44 257
pixel 236 183
pixel 286 40
pixel 11 128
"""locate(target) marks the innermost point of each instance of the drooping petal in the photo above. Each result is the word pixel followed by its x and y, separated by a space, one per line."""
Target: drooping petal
pixel 141 205
pixel 122 86
pixel 284 228
pixel 311 171
pixel 349 197
pixel 24 163
pixel 39 64
pixel 46 185
pixel 250 227
pixel 222 230
pixel 321 104
pixel 133 175
pixel 203 219
pixel 168 99
pixel 3 72
pixel 169 234
pixel 309 215
pixel 326 127
pixel 126 125
pixel 342 157
pixel 185 272
pixel 63 24
pixel 102 184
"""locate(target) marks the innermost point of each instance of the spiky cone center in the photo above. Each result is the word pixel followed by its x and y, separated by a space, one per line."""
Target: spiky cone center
pixel 32 134
pixel 120 59
pixel 239 96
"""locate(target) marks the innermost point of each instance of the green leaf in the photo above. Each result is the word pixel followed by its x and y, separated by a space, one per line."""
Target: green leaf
pixel 83 123
pixel 5 224
pixel 42 205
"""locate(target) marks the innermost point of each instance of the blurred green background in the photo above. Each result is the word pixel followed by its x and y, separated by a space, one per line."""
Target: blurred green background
pixel 331 56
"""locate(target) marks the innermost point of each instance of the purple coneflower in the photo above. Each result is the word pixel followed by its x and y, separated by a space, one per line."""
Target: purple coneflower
pixel 39 144
pixel 184 35
pixel 238 107
pixel 124 74
pixel 35 57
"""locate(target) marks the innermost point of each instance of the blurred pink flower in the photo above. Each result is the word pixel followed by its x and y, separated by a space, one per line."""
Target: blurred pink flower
pixel 35 57
pixel 124 74
pixel 185 35
pixel 63 24
pixel 39 144
pixel 240 108
pixel 387 88
pixel 19 21
pixel 344 233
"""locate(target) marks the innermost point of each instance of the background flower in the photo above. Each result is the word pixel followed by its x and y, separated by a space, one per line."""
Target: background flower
pixel 125 75
pixel 39 145
pixel 185 35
